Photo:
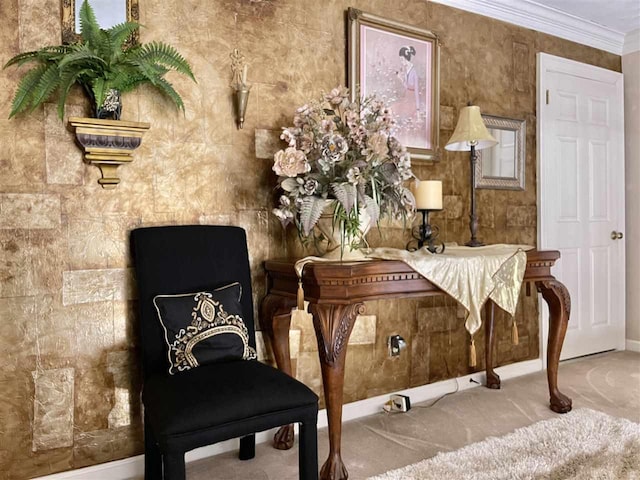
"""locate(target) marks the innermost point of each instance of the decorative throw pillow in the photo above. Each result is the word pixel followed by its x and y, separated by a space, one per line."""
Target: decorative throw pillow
pixel 204 327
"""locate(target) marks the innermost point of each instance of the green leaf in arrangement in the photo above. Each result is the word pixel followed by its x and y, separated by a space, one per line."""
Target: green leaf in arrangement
pixel 120 33
pixel 89 28
pixel 166 88
pixel 48 83
pixel 26 89
pixel 160 53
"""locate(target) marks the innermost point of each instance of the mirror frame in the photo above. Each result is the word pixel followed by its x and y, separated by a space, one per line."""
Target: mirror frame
pixel 69 34
pixel 505 183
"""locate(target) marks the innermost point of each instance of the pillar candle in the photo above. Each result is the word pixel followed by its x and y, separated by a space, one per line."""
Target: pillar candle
pixel 428 194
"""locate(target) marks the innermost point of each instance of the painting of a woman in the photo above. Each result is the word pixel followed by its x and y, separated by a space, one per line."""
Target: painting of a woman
pixel 409 103
pixel 398 69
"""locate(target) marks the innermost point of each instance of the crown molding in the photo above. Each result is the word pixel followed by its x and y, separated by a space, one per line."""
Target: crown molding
pixel 541 18
pixel 631 42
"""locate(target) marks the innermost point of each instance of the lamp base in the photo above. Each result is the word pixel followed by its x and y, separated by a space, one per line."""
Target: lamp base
pixel 474 243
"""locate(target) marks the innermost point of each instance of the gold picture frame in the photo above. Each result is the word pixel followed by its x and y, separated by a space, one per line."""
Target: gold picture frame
pixel 401 63
pixel 126 10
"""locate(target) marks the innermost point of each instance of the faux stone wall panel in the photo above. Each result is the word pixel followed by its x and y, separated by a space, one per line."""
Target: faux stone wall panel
pixel 67 300
pixel 86 286
pixel 29 211
pixel 520 67
pixel 267 143
pixel 53 409
pixel 63 165
pixel 364 330
pixel 521 216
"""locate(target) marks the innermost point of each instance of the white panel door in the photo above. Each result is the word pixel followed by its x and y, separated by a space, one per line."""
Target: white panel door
pixel 581 197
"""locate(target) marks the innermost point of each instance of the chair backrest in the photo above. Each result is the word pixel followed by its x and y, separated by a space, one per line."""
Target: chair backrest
pixel 185 259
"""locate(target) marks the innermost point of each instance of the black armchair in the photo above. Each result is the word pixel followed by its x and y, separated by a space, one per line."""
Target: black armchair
pixel 217 401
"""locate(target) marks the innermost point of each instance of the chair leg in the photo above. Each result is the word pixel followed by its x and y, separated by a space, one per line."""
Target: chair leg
pixel 308 450
pixel 247 447
pixel 173 466
pixel 152 456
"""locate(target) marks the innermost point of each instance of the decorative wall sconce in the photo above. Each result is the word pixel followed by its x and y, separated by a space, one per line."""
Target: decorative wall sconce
pixel 108 144
pixel 428 195
pixel 239 85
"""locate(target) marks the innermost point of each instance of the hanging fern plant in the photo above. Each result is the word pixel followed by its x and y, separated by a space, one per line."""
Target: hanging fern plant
pixel 103 63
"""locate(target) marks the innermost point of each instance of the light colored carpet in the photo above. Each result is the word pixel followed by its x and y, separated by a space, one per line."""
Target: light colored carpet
pixel 583 444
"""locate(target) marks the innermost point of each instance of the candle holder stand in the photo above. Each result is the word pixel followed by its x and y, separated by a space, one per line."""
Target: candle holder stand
pixel 426 234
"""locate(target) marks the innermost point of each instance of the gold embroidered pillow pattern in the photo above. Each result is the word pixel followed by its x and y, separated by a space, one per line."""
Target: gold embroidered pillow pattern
pixel 204 327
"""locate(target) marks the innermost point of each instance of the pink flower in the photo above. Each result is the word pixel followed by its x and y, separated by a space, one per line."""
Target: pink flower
pixel 337 96
pixel 290 163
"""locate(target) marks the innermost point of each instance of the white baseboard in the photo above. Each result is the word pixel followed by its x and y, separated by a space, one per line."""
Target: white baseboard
pixel 133 467
pixel 632 345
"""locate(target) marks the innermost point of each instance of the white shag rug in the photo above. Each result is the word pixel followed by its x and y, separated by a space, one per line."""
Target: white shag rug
pixel 583 444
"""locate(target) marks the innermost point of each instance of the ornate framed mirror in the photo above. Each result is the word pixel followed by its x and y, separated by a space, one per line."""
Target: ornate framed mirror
pixel 108 14
pixel 502 166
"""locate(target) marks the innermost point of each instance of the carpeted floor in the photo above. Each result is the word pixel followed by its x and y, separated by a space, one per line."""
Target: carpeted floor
pixel 607 382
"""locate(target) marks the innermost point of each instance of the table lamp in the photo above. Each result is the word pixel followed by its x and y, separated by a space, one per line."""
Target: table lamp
pixel 470 135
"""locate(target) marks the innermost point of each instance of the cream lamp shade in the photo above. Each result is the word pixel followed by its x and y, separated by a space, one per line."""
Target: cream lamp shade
pixel 470 130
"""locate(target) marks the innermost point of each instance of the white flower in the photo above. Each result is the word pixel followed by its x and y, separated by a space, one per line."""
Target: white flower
pixel 284 201
pixel 290 163
pixel 377 145
pixel 285 216
pixel 353 175
pixel 289 137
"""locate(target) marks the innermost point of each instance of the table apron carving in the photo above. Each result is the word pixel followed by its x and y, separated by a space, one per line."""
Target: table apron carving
pixel 336 293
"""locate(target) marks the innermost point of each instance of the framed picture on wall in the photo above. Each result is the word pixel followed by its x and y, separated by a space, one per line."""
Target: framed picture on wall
pixel 400 63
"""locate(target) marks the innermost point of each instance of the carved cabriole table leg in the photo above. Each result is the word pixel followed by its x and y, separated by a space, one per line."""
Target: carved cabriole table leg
pixel 493 380
pixel 557 297
pixel 275 315
pixel 333 325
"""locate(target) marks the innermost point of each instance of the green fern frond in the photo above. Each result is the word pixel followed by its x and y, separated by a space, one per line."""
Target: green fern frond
pixel 163 54
pixel 26 88
pixel 68 80
pixel 127 79
pixel 89 28
pixel 99 88
pixel 152 71
pixel 166 88
pixel 310 213
pixel 121 32
pixel 48 83
pixel 83 57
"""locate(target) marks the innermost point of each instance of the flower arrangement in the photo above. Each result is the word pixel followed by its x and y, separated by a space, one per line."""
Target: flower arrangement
pixel 342 154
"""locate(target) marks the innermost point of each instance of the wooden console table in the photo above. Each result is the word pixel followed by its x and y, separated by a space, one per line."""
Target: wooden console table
pixel 336 293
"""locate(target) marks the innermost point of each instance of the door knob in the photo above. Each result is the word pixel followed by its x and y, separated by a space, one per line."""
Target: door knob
pixel 616 235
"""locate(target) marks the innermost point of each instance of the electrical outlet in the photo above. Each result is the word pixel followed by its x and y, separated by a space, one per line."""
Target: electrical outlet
pixel 400 403
pixel 395 343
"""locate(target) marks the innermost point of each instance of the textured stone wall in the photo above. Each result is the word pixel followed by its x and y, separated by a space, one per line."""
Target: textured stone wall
pixel 69 383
